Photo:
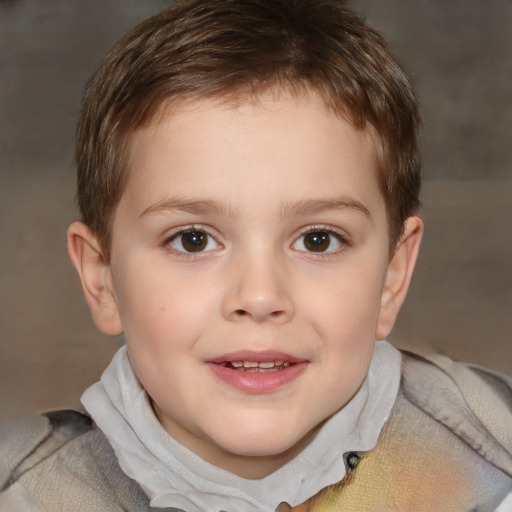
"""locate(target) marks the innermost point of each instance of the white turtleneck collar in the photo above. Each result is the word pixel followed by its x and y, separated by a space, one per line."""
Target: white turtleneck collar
pixel 173 476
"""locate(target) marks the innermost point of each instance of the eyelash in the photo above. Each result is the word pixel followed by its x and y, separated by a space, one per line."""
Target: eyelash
pixel 179 232
pixel 332 233
pixel 339 237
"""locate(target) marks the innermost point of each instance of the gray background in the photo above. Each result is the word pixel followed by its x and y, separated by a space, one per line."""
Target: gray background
pixel 459 55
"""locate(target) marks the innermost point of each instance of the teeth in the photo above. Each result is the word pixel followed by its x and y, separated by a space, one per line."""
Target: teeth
pixel 254 366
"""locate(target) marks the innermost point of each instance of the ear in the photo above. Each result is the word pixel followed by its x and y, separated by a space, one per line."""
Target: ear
pixel 398 276
pixel 96 276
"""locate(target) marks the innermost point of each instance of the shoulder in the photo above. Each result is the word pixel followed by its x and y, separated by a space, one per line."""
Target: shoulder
pixel 25 441
pixel 61 461
pixel 472 402
pixel 445 445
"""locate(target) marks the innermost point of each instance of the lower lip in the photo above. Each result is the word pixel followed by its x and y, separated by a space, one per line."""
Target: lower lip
pixel 257 382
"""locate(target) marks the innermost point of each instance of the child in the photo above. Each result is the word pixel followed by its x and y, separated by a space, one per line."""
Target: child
pixel 248 182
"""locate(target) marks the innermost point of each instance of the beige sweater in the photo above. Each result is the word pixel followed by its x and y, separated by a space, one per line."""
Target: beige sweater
pixel 446 447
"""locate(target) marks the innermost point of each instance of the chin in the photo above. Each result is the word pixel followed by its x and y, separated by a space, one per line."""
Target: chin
pixel 270 443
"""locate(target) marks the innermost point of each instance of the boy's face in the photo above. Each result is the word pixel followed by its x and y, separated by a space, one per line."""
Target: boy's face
pixel 251 234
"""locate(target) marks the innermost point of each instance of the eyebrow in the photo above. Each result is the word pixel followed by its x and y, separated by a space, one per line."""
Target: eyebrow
pixel 196 207
pixel 211 206
pixel 315 206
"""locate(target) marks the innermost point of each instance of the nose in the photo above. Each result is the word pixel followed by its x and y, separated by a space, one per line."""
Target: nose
pixel 258 290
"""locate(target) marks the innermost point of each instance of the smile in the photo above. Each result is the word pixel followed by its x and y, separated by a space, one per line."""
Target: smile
pixel 256 367
pixel 257 372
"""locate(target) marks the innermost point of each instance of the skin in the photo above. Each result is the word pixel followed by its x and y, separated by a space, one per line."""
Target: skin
pixel 252 179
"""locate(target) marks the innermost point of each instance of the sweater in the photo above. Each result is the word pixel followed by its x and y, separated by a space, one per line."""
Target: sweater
pixel 447 446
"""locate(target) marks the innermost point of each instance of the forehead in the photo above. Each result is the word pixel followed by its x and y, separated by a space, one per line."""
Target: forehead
pixel 245 147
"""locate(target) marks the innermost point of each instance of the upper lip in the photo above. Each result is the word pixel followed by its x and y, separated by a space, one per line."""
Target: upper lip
pixel 265 356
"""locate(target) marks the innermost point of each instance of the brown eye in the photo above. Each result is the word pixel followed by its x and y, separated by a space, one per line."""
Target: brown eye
pixel 192 240
pixel 318 241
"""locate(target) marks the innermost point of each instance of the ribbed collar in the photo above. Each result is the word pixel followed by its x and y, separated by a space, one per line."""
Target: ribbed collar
pixel 173 476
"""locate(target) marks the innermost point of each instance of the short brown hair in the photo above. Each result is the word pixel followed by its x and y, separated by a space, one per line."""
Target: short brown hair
pixel 225 48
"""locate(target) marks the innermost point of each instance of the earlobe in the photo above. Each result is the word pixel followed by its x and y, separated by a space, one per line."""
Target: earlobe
pixel 95 274
pixel 398 276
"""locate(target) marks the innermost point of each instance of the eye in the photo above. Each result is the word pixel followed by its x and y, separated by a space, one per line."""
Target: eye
pixel 192 241
pixel 319 241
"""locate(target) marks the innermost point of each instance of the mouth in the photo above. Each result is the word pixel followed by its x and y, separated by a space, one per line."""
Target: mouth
pixel 257 372
pixel 257 366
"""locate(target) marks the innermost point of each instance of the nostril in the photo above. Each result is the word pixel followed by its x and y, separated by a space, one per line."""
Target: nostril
pixel 260 314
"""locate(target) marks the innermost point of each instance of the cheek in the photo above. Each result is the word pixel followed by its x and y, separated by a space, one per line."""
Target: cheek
pixel 348 305
pixel 345 314
pixel 163 320
pixel 154 284
pixel 160 308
